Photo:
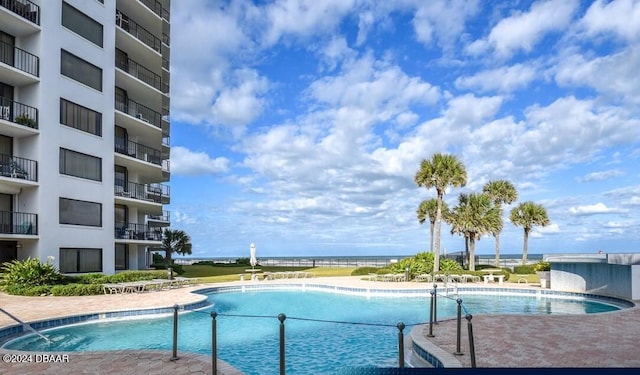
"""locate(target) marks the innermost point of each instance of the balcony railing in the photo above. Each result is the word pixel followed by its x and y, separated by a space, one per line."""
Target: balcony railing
pixel 18 113
pixel 18 223
pixel 166 15
pixel 17 167
pixel 165 64
pixel 138 151
pixel 165 216
pixel 166 166
pixel 130 107
pixel 137 31
pixel 140 72
pixel 24 8
pixel 19 59
pixel 155 193
pixel 133 231
pixel 154 6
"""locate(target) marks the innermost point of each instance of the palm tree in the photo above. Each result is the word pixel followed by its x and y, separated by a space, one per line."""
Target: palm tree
pixel 501 192
pixel 526 215
pixel 440 172
pixel 455 220
pixel 475 216
pixel 428 210
pixel 175 241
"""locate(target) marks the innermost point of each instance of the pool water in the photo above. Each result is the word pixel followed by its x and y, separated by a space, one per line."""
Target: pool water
pixel 251 342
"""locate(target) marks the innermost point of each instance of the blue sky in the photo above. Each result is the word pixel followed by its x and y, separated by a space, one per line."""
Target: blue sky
pixel 299 125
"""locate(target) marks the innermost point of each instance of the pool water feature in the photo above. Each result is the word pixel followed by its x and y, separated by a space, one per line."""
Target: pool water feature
pixel 250 342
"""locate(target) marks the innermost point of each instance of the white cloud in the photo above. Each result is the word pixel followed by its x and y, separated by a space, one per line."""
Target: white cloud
pixel 619 17
pixel 303 18
pixel 504 79
pixel 241 103
pixel 187 162
pixel 524 30
pixel 183 218
pixel 442 21
pixel 614 75
pixel 599 176
pixel 594 209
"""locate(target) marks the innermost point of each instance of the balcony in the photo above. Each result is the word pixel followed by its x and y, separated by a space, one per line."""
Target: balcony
pixel 138 32
pixel 21 60
pixel 19 223
pixel 18 113
pixel 23 8
pixel 153 193
pixel 163 218
pixel 140 72
pixel 137 110
pixel 138 232
pixel 154 6
pixel 138 151
pixel 19 168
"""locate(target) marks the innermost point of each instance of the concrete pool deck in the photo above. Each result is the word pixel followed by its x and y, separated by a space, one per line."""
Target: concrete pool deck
pixel 598 340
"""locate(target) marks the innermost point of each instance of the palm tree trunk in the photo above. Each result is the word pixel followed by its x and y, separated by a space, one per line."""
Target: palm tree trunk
pixel 436 250
pixel 472 256
pixel 466 252
pixel 497 249
pixel 432 228
pixel 524 246
pixel 167 258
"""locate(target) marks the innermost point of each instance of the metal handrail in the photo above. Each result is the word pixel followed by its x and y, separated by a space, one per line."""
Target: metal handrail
pixel 155 193
pixel 135 231
pixel 139 71
pixel 18 113
pixel 139 32
pixel 17 167
pixel 138 151
pixel 140 111
pixel 12 222
pixel 24 8
pixel 19 59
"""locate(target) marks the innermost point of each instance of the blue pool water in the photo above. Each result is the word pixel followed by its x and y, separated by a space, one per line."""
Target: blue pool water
pixel 250 343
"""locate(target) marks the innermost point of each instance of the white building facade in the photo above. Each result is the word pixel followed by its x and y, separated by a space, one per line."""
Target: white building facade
pixel 84 131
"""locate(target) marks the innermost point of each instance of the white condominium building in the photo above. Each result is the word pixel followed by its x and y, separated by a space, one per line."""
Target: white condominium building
pixel 84 132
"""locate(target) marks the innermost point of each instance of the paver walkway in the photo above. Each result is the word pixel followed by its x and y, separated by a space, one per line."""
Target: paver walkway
pixel 599 340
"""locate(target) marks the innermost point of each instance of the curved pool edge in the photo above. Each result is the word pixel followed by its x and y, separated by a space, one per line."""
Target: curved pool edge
pixel 17 330
pixel 440 358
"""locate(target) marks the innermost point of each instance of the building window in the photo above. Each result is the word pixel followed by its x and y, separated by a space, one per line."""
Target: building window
pixel 81 118
pixel 77 69
pixel 81 24
pixel 122 257
pixel 80 165
pixel 77 212
pixel 75 260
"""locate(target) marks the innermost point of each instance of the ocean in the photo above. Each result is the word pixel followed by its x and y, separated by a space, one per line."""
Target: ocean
pixel 506 260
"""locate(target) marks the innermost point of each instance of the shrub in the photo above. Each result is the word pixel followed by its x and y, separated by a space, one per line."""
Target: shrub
pixel 360 271
pixel 30 291
pixel 30 272
pixel 526 269
pixel 127 276
pixel 76 290
pixel 88 278
pixel 542 266
pixel 243 261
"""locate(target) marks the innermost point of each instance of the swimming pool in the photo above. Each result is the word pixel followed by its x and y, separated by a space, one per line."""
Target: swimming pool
pixel 250 342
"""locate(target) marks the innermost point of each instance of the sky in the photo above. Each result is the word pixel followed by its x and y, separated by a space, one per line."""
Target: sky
pixel 299 125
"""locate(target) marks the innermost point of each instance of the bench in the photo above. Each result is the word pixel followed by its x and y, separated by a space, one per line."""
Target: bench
pixel 492 277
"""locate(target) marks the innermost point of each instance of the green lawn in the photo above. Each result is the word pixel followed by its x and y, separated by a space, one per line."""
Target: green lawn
pixel 220 273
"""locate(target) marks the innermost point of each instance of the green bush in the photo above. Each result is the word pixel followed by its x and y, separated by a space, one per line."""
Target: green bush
pixel 88 278
pixel 542 266
pixel 30 272
pixel 526 269
pixel 360 271
pixel 30 291
pixel 76 290
pixel 127 276
pixel 243 261
pixel 423 263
